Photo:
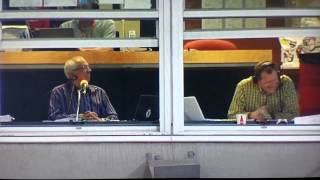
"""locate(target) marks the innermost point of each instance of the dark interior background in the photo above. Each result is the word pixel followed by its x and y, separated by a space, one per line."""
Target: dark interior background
pixel 25 92
pixel 214 87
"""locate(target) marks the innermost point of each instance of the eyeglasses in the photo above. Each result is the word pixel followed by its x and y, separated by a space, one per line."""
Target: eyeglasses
pixel 85 68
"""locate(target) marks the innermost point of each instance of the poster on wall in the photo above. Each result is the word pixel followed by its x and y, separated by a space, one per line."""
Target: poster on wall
pixel 289 56
pixel 289 46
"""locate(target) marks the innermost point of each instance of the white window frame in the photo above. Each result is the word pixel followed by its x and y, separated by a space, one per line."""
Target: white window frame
pixel 161 14
pixel 223 132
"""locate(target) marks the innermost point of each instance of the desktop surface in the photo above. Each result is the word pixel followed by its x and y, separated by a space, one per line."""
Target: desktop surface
pixel 233 122
pixel 212 122
pixel 82 123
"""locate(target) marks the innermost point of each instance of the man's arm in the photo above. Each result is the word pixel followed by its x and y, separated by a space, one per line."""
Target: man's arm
pixel 289 102
pixel 107 109
pixel 238 103
pixel 55 106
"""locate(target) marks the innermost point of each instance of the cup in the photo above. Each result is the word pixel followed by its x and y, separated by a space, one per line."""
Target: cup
pixel 242 118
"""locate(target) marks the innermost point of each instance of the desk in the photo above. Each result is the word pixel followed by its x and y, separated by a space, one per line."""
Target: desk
pixel 83 123
pixel 230 122
pixel 147 57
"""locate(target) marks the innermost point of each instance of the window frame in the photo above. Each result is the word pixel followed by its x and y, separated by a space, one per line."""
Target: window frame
pixel 161 14
pixel 260 132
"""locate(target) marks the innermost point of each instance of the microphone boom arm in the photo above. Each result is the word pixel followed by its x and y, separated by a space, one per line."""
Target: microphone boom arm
pixel 78 106
pixel 83 88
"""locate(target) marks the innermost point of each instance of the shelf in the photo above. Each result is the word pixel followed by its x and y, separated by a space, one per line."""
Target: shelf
pixel 126 58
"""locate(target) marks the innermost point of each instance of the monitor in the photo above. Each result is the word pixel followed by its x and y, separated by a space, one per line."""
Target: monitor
pixel 53 33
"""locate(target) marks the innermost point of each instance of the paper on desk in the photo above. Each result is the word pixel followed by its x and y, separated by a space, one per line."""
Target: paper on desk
pixel 312 119
pixel 6 118
pixel 68 119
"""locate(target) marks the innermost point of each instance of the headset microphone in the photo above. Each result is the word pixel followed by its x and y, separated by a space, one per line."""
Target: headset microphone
pixel 84 85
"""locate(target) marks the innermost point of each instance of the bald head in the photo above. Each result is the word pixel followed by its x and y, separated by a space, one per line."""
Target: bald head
pixel 73 64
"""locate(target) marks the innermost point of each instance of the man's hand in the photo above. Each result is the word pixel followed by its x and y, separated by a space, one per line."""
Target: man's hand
pixel 91 116
pixel 261 114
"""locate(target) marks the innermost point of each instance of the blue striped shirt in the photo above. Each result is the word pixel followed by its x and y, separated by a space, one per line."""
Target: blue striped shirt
pixel 64 99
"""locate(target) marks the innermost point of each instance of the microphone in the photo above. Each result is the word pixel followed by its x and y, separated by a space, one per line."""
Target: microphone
pixel 84 85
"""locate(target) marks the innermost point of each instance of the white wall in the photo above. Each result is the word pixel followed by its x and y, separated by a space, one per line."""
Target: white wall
pixel 128 160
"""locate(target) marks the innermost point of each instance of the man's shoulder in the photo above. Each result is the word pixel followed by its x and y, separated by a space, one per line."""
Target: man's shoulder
pixel 285 80
pixel 59 88
pixel 246 82
pixel 68 24
pixel 104 22
pixel 95 88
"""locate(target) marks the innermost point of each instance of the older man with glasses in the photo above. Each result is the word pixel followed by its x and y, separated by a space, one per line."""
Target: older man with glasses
pixel 94 104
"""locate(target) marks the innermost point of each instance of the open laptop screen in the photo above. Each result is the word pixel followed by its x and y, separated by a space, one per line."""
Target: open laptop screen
pixel 192 110
pixel 147 108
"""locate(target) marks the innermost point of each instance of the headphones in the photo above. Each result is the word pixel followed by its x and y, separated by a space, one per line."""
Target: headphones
pixel 267 66
pixel 264 66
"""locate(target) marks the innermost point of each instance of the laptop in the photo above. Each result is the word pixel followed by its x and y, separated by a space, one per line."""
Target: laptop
pixel 147 108
pixel 192 110
pixel 53 33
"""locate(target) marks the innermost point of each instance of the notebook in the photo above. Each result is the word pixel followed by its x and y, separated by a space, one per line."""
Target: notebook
pixel 147 108
pixel 192 110
pixel 53 33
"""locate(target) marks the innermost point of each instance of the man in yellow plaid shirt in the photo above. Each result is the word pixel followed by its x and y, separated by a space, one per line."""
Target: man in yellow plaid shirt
pixel 265 95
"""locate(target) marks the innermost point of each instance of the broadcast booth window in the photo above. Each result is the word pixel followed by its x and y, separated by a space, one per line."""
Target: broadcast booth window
pixel 91 71
pixel 240 71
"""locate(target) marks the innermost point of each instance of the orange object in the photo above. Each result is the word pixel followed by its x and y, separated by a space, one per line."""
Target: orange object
pixel 210 44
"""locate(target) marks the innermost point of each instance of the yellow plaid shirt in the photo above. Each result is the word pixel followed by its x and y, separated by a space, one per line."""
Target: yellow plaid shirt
pixel 248 96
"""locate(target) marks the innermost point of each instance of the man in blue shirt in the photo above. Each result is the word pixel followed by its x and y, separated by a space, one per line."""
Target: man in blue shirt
pixel 94 104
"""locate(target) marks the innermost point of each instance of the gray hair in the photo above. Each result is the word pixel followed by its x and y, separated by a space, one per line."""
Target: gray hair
pixel 73 64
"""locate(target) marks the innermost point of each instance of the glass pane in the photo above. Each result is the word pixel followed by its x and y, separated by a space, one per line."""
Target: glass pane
pixel 250 4
pixel 78 5
pixel 214 67
pixel 122 72
pixel 129 77
pixel 251 23
pixel 79 28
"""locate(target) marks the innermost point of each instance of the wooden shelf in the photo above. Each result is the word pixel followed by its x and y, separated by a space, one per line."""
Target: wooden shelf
pixel 123 58
pixel 227 56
